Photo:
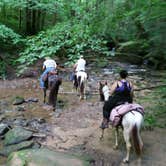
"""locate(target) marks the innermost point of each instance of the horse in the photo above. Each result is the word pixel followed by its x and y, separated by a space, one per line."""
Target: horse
pixel 131 123
pixel 80 82
pixel 52 81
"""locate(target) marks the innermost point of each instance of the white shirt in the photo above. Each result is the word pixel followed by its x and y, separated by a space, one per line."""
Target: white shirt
pixel 49 63
pixel 81 65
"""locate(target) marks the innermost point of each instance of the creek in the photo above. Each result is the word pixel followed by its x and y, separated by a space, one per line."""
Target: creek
pixel 74 126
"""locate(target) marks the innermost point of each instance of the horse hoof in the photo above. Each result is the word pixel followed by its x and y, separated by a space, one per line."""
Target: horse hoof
pixel 125 161
pixel 115 147
pixel 101 138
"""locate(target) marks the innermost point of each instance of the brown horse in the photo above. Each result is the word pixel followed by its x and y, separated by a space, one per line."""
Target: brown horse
pixel 52 81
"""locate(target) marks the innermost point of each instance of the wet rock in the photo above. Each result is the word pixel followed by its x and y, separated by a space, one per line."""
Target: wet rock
pixel 17 135
pixel 12 148
pixel 41 120
pixel 18 100
pixel 3 104
pixel 21 108
pixel 31 100
pixel 44 156
pixel 20 122
pixel 3 128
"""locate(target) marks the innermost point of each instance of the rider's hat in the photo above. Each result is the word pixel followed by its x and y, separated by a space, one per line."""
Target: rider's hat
pixel 47 57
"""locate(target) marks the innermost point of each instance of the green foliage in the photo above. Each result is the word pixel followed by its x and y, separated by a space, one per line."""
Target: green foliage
pixel 9 39
pixel 71 28
pixel 63 40
pixel 157 112
pixel 9 42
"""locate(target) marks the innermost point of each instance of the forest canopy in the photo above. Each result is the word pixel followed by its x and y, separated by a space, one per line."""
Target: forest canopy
pixel 33 29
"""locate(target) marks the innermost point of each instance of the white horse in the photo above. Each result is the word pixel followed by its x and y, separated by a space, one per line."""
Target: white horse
pixel 131 125
pixel 80 84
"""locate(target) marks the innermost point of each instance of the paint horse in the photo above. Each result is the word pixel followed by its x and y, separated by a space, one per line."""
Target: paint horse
pixel 52 81
pixel 130 118
pixel 80 82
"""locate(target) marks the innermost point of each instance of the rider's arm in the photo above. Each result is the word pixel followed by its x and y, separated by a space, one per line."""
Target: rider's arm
pixel 44 67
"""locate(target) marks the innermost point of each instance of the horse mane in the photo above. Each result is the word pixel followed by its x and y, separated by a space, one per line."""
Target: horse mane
pixel 54 91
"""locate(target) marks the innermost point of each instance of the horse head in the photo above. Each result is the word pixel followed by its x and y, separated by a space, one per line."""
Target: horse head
pixel 103 91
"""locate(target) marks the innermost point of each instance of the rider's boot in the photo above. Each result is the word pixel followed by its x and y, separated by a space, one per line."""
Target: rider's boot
pixel 104 123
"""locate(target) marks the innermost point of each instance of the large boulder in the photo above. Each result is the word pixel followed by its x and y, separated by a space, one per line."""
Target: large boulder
pixel 44 157
pixel 3 128
pixel 12 148
pixel 17 135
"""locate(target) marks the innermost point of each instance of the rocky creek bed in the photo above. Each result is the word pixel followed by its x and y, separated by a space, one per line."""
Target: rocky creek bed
pixel 70 135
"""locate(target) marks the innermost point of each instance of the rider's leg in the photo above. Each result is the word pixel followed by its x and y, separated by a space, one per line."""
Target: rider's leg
pixel 43 74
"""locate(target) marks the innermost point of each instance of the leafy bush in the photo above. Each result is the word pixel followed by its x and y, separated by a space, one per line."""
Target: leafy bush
pixel 63 40
pixel 9 39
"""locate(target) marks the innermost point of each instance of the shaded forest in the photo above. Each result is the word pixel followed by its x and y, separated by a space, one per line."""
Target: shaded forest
pixel 33 29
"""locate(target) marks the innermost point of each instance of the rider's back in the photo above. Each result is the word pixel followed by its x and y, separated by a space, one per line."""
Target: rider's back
pixel 81 65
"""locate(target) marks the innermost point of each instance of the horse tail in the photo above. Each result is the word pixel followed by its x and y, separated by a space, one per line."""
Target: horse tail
pixel 136 141
pixel 54 91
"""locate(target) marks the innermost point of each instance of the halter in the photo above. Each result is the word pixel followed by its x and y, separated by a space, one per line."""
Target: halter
pixel 105 91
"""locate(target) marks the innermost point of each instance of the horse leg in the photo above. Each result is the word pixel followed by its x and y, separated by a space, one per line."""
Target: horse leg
pixel 126 135
pixel 102 134
pixel 84 91
pixel 54 102
pixel 44 90
pixel 116 138
pixel 81 92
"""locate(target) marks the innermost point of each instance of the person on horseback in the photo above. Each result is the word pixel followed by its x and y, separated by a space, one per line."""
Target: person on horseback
pixel 121 92
pixel 79 66
pixel 48 65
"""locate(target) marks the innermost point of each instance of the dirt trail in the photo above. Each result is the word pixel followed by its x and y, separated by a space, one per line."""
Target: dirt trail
pixel 76 128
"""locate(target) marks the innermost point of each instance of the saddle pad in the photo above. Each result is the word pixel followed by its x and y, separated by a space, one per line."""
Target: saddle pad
pixel 119 111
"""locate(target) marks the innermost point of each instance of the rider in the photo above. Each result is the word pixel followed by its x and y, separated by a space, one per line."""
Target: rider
pixel 48 65
pixel 79 66
pixel 120 93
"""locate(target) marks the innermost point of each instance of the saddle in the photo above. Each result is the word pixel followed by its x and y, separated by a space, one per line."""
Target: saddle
pixel 50 73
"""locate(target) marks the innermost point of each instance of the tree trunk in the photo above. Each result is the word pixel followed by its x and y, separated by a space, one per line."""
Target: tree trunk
pixel 43 19
pixel 34 22
pixel 20 19
pixel 28 21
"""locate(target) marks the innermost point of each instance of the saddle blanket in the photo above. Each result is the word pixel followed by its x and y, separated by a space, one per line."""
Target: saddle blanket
pixel 118 112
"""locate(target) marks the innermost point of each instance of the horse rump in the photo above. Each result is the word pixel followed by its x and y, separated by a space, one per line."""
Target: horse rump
pixel 54 83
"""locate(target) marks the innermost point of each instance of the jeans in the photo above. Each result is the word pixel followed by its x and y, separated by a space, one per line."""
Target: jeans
pixel 43 74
